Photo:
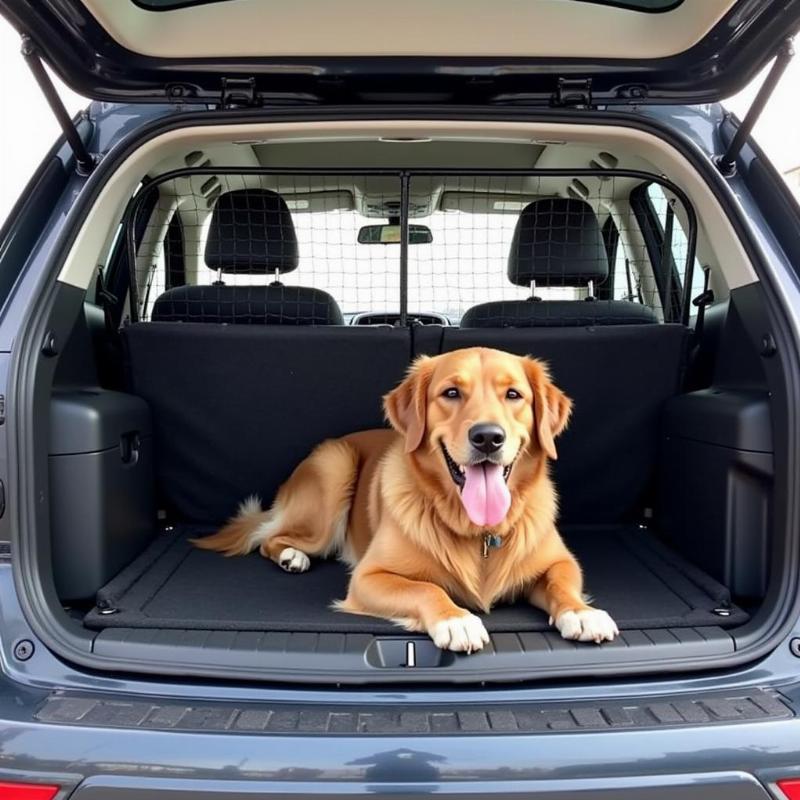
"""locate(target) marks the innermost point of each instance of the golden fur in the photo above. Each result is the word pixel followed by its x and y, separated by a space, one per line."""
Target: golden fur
pixel 385 502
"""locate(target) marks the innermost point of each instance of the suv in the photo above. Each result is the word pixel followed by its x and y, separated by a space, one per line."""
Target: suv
pixel 267 211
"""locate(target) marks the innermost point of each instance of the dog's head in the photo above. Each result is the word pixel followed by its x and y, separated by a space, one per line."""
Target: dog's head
pixel 471 415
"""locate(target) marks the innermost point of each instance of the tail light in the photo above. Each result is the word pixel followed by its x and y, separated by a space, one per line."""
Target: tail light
pixel 790 787
pixel 27 791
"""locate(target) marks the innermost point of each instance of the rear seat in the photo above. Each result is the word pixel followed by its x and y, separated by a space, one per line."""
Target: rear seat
pixel 235 408
pixel 251 233
pixel 557 242
pixel 619 378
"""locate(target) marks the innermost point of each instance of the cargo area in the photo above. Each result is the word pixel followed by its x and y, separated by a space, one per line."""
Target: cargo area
pixel 634 473
pixel 255 322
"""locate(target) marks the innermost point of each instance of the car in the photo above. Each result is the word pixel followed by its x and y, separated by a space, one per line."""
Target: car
pixel 267 211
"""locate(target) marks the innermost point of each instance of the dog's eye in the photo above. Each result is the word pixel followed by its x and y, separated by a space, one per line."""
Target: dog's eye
pixel 452 393
pixel 513 394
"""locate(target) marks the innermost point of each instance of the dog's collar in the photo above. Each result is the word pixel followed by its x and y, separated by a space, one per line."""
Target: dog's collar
pixel 491 541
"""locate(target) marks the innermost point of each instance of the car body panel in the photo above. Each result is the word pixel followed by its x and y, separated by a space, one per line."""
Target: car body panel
pixel 103 744
pixel 130 761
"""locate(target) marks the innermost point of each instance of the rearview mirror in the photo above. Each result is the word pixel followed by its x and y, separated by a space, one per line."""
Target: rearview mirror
pixel 390 234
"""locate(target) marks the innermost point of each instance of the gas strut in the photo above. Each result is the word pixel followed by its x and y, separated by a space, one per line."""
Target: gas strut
pixel 84 160
pixel 727 162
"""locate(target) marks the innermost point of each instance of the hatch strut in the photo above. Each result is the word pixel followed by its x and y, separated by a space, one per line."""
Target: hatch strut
pixel 84 160
pixel 727 162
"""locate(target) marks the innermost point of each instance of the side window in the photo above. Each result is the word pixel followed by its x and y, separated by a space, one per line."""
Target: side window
pixel 116 267
pixel 663 209
pixel 623 279
pixel 169 267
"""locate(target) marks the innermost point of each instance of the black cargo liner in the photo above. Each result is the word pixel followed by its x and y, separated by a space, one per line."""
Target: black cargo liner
pixel 173 585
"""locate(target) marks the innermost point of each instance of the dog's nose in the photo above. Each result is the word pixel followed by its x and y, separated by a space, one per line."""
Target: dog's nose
pixel 487 437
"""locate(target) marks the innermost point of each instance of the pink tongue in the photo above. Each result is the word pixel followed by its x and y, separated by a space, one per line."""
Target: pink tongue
pixel 485 495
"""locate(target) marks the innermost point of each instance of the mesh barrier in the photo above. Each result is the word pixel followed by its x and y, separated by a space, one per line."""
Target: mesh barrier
pixel 482 250
pixel 265 249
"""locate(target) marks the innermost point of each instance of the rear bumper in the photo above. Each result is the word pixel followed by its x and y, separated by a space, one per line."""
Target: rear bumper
pixel 731 786
pixel 97 746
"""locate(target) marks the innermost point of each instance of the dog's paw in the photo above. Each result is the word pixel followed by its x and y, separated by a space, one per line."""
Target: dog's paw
pixel 464 634
pixel 293 560
pixel 587 625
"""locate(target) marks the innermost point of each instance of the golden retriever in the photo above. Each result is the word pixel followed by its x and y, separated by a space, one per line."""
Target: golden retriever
pixel 451 511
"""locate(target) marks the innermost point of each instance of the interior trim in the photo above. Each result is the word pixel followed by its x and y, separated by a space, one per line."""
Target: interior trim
pixel 713 224
pixel 447 28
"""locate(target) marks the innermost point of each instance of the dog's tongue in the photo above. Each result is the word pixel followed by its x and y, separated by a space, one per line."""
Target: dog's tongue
pixel 485 495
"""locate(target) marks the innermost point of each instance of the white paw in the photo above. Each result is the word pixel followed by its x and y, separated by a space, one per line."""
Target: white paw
pixel 462 634
pixel 588 625
pixel 293 560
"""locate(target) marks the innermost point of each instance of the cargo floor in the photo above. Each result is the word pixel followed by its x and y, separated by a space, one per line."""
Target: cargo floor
pixel 639 581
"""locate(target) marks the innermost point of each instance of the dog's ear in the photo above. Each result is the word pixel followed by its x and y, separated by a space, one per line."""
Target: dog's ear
pixel 551 407
pixel 406 406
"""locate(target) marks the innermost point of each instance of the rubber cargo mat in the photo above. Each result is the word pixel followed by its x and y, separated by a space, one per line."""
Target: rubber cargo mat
pixel 628 572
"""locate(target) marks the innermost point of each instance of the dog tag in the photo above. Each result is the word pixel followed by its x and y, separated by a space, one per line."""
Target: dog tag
pixel 491 540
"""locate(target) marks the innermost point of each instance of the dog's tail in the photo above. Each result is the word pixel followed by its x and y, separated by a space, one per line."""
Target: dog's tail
pixel 310 512
pixel 243 533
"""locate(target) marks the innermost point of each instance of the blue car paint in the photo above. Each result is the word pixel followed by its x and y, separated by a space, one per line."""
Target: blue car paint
pixel 731 760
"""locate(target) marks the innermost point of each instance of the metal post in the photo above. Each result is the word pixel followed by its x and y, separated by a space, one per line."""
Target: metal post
pixel 31 55
pixel 405 180
pixel 727 162
pixel 667 261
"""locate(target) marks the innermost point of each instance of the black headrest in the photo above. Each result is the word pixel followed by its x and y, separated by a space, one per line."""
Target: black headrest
pixel 251 233
pixel 557 242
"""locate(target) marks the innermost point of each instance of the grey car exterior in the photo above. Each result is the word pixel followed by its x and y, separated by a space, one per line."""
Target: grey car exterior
pixel 726 734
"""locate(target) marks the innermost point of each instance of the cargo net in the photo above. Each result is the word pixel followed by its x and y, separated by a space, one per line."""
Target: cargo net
pixel 489 251
pixel 267 249
pixel 511 252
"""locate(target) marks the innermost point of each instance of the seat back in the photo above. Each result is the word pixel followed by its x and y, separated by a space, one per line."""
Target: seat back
pixel 251 233
pixel 618 378
pixel 236 408
pixel 557 242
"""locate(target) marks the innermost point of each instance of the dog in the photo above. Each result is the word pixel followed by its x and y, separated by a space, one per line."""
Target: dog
pixel 449 512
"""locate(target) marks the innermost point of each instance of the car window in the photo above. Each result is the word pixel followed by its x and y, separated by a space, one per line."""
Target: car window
pixel 624 280
pixel 660 205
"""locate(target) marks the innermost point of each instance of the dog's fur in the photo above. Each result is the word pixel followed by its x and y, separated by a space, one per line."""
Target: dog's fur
pixel 386 502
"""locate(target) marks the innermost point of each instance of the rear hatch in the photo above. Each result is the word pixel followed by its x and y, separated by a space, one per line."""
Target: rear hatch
pixel 544 52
